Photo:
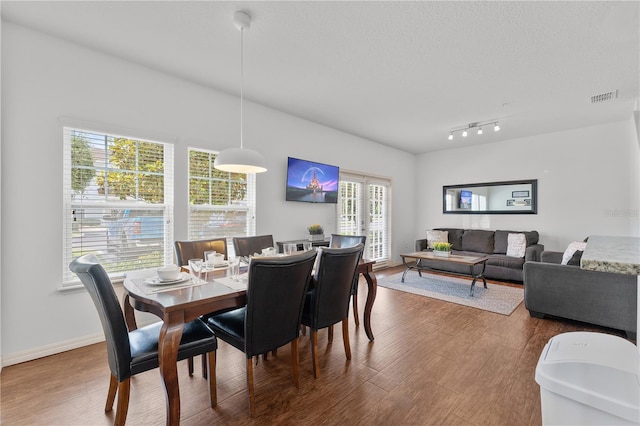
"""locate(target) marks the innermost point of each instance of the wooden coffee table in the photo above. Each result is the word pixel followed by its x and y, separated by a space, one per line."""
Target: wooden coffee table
pixel 471 261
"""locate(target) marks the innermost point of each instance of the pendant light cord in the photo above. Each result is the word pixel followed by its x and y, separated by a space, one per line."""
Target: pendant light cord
pixel 241 82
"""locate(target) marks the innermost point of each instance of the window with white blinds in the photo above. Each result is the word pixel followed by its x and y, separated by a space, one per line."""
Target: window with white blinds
pixel 221 204
pixel 364 208
pixel 118 201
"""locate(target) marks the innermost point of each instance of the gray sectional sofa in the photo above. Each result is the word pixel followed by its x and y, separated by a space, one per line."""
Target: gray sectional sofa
pixel 602 298
pixel 480 242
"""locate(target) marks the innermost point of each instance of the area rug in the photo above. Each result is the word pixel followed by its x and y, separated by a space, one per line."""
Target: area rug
pixel 496 298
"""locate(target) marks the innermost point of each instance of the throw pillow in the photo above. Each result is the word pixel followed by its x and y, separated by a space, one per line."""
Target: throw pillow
pixel 573 247
pixel 435 236
pixel 575 259
pixel 516 245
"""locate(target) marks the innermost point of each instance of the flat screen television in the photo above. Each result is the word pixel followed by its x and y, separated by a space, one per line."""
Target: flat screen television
pixel 465 199
pixel 312 182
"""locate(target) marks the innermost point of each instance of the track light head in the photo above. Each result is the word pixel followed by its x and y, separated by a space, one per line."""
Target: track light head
pixel 450 136
pixel 479 130
pixel 464 133
pixel 496 128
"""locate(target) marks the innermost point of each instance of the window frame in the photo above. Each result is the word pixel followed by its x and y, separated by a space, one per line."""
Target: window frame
pixel 70 206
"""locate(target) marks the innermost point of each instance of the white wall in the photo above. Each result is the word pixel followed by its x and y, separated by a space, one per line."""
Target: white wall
pixel 44 79
pixel 586 181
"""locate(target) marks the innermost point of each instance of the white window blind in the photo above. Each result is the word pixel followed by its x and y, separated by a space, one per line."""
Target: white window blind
pixel 118 201
pixel 221 204
pixel 364 208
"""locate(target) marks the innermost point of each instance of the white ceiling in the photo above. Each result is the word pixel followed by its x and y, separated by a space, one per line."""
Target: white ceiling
pixel 400 73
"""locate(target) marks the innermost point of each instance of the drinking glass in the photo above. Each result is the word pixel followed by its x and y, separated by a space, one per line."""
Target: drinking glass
pixel 209 258
pixel 290 249
pixel 195 267
pixel 234 268
pixel 306 246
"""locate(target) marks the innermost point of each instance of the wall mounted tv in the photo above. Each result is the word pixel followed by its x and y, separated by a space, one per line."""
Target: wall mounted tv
pixel 312 182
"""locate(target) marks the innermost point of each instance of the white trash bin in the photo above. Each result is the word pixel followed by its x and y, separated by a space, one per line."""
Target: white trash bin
pixel 589 379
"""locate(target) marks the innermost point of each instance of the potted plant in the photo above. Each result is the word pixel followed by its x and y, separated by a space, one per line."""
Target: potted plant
pixel 316 233
pixel 441 249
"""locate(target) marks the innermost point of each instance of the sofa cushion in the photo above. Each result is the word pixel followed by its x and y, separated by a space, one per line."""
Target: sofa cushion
pixel 505 261
pixel 575 259
pixel 477 240
pixel 573 247
pixel 517 245
pixel 435 236
pixel 455 237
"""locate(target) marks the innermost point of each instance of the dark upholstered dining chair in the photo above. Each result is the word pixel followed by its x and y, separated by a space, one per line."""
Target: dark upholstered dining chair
pixel 247 246
pixel 271 318
pixel 133 352
pixel 328 302
pixel 342 241
pixel 186 250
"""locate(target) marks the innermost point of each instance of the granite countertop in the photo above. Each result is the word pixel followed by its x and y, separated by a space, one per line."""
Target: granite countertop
pixel 612 254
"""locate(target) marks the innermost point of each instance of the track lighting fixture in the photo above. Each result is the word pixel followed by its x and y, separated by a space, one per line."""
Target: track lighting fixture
pixel 478 126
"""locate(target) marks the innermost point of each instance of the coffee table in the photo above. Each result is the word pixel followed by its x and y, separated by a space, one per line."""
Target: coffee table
pixel 471 261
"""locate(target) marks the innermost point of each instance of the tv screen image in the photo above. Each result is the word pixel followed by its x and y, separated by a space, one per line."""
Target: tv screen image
pixel 312 182
pixel 465 199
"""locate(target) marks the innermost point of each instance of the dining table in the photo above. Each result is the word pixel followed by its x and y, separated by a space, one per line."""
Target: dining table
pixel 178 304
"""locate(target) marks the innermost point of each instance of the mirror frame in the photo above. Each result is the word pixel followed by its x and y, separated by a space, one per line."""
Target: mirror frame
pixel 534 197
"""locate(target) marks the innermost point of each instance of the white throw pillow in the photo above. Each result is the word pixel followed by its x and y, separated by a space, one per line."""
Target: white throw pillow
pixel 435 236
pixel 516 245
pixel 573 247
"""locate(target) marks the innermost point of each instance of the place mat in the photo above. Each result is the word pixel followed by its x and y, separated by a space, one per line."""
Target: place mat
pixel 496 298
pixel 151 289
pixel 240 284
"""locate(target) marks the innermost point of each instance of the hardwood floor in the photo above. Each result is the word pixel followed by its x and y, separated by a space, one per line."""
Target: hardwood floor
pixel 432 362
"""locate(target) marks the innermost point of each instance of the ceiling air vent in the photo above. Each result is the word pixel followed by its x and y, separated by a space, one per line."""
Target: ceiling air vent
pixel 604 97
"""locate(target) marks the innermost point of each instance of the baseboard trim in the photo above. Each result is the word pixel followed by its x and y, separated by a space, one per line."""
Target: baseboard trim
pixel 58 347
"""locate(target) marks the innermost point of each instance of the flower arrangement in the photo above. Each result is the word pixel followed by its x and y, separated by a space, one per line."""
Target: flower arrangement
pixel 441 246
pixel 315 229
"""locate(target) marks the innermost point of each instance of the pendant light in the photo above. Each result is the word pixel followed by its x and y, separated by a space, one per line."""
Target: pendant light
pixel 241 160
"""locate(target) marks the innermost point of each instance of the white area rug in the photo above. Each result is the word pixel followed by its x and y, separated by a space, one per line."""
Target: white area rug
pixel 496 298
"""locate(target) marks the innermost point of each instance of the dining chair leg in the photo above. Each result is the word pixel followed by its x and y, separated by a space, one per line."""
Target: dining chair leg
pixel 111 395
pixel 123 401
pixel 294 363
pixel 252 402
pixel 355 310
pixel 204 366
pixel 330 335
pixel 210 362
pixel 345 337
pixel 314 353
pixel 274 352
pixel 190 364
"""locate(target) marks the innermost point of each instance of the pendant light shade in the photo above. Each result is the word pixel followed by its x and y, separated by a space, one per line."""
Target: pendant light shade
pixel 241 160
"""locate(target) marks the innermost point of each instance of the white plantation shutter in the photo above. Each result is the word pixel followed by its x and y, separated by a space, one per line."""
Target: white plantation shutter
pixel 221 204
pixel 118 201
pixel 364 208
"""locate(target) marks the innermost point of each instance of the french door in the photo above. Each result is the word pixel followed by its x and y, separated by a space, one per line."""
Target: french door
pixel 364 208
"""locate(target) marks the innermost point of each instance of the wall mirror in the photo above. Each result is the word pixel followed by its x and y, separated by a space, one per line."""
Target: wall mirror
pixel 510 197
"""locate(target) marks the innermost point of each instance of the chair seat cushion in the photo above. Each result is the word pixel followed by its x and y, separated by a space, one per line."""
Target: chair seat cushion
pixel 197 338
pixel 229 326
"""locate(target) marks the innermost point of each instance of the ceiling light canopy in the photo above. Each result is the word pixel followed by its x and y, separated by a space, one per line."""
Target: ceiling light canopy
pixel 470 126
pixel 241 160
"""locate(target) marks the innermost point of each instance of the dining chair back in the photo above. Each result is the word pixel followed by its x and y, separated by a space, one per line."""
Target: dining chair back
pixel 135 351
pixel 342 241
pixel 327 303
pixel 248 246
pixel 276 290
pixel 186 250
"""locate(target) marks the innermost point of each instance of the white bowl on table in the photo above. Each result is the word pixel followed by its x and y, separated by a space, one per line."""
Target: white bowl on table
pixel 169 272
